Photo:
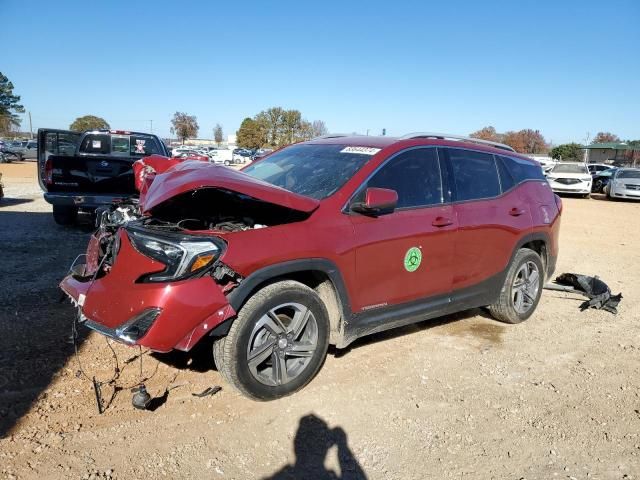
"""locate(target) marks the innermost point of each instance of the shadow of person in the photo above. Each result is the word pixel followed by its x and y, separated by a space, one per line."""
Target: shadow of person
pixel 312 442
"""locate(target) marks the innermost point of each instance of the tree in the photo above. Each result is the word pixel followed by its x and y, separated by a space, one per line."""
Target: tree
pixel 318 128
pixel 567 151
pixel 217 134
pixel 9 106
pixel 487 133
pixel 88 122
pixel 251 134
pixel 605 137
pixel 184 126
pixel 526 141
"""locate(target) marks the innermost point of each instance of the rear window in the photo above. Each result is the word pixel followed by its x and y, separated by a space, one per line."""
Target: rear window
pixel 126 145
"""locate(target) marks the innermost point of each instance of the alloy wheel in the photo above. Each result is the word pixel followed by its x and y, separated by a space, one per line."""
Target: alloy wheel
pixel 525 287
pixel 282 343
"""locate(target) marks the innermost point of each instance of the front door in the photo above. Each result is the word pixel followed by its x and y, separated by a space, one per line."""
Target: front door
pixel 408 254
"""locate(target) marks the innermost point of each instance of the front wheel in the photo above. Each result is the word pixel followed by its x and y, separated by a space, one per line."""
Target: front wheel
pixel 227 163
pixel 278 342
pixel 522 288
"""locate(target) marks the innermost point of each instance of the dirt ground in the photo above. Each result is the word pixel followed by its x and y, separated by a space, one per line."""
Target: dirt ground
pixel 461 397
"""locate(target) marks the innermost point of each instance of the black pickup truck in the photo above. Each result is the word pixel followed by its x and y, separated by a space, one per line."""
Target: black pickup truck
pixel 85 170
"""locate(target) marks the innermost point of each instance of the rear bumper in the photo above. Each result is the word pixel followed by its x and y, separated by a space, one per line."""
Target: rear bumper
pixel 172 315
pixel 80 200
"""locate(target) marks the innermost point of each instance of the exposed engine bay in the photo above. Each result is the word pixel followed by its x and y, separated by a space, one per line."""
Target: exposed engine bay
pixel 208 209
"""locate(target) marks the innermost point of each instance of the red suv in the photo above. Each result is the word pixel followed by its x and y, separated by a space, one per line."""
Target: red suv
pixel 319 243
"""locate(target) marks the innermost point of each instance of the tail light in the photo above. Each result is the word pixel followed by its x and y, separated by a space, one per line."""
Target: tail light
pixel 48 172
pixel 558 203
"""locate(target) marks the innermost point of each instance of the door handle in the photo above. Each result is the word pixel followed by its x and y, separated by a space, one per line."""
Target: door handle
pixel 516 212
pixel 441 222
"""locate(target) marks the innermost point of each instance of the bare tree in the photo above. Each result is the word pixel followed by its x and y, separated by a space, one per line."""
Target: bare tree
pixel 218 135
pixel 318 128
pixel 184 126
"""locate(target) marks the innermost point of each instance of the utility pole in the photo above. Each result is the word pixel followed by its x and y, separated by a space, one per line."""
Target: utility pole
pixel 30 127
pixel 586 151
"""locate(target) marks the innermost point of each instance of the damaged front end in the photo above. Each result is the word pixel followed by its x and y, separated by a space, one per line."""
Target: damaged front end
pixel 154 273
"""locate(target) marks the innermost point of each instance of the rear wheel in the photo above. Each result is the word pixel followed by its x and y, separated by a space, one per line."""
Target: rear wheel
pixel 278 342
pixel 65 215
pixel 522 288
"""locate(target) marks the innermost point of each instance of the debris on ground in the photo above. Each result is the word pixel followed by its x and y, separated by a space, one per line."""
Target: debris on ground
pixel 598 292
pixel 211 391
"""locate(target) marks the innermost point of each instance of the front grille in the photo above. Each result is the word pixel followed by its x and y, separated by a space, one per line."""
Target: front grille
pixel 568 181
pixel 632 187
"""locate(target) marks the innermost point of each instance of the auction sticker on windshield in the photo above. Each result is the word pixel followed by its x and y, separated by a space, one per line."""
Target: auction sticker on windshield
pixel 360 150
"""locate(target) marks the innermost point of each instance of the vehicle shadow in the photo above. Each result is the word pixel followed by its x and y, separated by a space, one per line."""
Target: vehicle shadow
pixel 311 444
pixel 35 324
pixel 198 359
pixel 10 202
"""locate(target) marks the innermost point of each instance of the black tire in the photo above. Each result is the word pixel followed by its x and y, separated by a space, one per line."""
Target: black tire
pixel 218 352
pixel 504 309
pixel 64 215
pixel 227 163
pixel 233 357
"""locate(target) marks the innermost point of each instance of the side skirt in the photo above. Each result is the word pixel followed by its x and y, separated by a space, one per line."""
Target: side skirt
pixel 379 320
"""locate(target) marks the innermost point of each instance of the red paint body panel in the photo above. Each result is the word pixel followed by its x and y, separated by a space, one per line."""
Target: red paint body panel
pixel 116 297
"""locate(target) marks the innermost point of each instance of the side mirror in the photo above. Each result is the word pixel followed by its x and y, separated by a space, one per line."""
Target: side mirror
pixel 377 201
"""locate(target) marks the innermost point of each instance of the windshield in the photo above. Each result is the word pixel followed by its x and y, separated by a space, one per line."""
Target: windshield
pixel 316 171
pixel 629 174
pixel 570 168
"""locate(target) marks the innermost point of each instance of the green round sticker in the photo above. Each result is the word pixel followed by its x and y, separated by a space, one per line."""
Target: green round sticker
pixel 412 259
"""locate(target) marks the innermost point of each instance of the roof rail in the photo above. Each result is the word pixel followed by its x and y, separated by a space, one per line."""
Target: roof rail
pixel 447 136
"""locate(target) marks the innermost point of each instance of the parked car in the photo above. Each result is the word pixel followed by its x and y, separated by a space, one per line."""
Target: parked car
pixel 573 178
pixel 596 168
pixel 601 180
pixel 241 155
pixel 86 170
pixel 261 153
pixel 624 183
pixel 320 243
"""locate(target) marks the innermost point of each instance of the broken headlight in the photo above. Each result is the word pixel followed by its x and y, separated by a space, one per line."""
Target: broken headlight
pixel 182 257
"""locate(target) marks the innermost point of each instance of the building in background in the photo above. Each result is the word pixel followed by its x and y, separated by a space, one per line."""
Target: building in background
pixel 615 153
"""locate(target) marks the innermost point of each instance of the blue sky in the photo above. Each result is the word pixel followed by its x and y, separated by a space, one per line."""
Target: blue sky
pixel 563 67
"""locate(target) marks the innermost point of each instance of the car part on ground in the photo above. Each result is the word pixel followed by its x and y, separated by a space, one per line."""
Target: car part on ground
pixel 596 290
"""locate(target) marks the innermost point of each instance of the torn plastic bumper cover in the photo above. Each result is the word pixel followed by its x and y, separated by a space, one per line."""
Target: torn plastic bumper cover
pixel 598 292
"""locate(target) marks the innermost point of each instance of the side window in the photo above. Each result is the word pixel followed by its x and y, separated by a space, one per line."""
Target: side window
pixel 507 181
pixel 475 174
pixel 522 170
pixel 414 175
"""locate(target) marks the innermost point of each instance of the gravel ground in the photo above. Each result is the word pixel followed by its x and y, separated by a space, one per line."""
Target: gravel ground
pixel 461 397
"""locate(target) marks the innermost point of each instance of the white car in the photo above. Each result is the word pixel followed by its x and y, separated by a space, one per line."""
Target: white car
pixel 221 157
pixel 573 178
pixel 625 183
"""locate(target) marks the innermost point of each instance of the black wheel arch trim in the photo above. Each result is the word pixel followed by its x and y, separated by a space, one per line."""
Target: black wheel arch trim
pixel 238 296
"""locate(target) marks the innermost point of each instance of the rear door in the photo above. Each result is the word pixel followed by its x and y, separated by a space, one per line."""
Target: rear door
pixel 54 142
pixel 491 216
pixel 405 255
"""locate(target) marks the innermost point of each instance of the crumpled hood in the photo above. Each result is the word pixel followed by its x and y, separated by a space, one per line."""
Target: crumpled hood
pixel 191 176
